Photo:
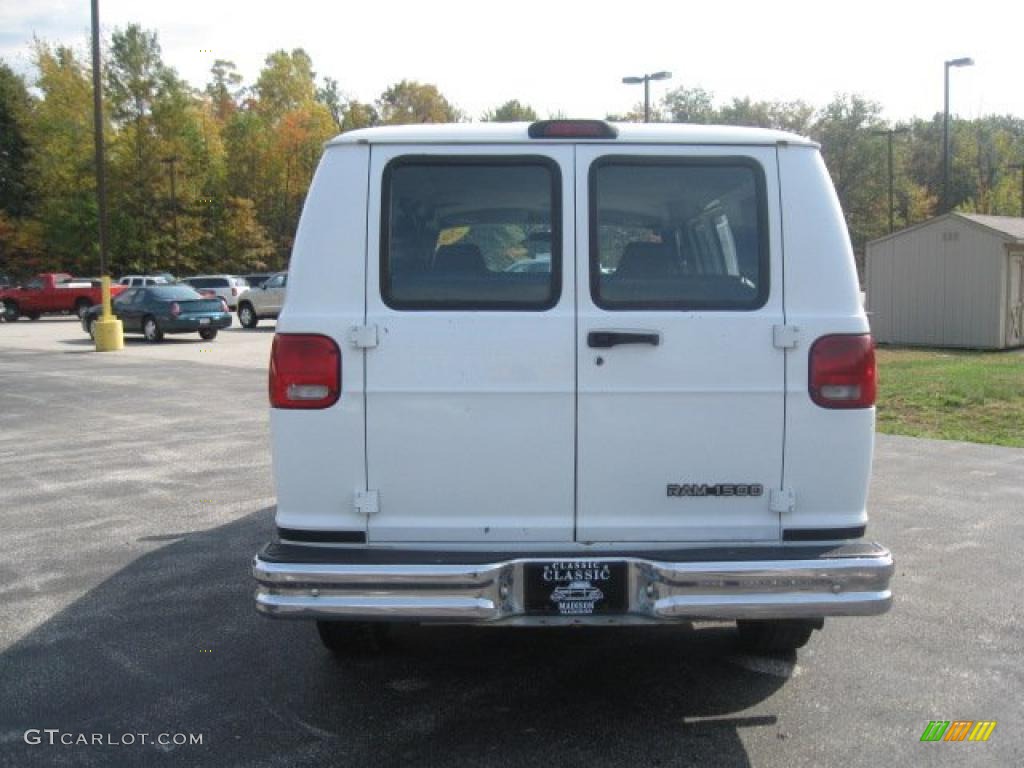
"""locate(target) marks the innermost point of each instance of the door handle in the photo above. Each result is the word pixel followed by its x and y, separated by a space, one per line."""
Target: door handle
pixel 605 339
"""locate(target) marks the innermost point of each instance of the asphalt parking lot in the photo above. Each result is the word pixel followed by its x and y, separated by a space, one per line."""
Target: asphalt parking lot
pixel 136 486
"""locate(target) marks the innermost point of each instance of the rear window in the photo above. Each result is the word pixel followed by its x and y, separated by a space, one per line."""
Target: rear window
pixel 174 293
pixel 670 233
pixel 455 232
pixel 208 282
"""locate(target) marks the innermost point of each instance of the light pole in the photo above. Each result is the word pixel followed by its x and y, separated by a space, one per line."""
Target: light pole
pixel 170 160
pixel 964 62
pixel 97 118
pixel 890 132
pixel 646 80
pixel 1020 167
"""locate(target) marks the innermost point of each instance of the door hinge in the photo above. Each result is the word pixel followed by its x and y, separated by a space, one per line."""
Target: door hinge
pixel 363 336
pixel 367 502
pixel 782 499
pixel 785 336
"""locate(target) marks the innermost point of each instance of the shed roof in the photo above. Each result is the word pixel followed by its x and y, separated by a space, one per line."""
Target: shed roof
pixel 1009 225
pixel 1009 228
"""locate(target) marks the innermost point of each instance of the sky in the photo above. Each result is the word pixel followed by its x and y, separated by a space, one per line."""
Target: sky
pixel 570 57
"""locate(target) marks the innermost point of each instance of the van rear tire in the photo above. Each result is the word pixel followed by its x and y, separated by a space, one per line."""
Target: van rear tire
pixel 775 635
pixel 346 638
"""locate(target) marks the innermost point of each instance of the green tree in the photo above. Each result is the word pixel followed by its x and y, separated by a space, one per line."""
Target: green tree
pixel 793 116
pixel 286 82
pixel 688 105
pixel 856 161
pixel 511 111
pixel 357 115
pixel 15 110
pixel 409 102
pixel 330 96
pixel 224 89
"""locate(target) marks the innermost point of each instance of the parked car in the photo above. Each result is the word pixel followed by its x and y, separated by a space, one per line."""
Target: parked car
pixel 257 279
pixel 262 302
pixel 137 280
pixel 51 293
pixel 159 309
pixel 687 394
pixel 227 287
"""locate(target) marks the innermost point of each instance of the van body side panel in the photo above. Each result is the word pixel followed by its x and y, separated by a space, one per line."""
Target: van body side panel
pixel 319 455
pixel 470 421
pixel 828 452
pixel 679 441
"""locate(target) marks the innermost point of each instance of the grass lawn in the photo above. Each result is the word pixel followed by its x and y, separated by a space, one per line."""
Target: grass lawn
pixel 972 396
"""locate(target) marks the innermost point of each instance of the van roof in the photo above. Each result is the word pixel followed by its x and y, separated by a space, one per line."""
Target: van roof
pixel 516 133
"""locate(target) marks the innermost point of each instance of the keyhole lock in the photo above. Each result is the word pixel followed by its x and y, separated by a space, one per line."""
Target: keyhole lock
pixel 599 361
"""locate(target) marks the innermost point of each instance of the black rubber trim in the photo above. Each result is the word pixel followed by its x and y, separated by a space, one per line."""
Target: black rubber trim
pixel 823 534
pixel 277 552
pixel 322 537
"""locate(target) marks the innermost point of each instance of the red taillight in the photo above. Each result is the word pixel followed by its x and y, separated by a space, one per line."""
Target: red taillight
pixel 234 291
pixel 175 309
pixel 572 129
pixel 842 371
pixel 305 371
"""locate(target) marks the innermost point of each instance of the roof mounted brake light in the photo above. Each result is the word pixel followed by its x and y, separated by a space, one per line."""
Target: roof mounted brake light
pixel 573 129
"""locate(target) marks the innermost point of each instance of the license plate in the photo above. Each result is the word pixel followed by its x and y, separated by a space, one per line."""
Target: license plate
pixel 204 321
pixel 575 587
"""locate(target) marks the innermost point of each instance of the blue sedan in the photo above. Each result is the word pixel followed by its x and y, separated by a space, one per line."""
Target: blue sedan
pixel 158 309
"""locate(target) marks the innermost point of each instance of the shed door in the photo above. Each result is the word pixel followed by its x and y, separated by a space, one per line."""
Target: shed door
pixel 1015 300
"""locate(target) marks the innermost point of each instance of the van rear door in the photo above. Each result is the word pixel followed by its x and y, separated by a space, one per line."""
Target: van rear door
pixel 470 389
pixel 680 411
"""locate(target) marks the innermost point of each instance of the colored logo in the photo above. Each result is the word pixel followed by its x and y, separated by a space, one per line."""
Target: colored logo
pixel 958 730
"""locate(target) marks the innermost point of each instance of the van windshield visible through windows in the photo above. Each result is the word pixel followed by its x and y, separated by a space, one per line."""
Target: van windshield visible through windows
pixel 668 233
pixel 471 235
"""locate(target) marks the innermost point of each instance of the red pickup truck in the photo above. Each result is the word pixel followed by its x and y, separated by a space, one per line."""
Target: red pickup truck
pixel 52 292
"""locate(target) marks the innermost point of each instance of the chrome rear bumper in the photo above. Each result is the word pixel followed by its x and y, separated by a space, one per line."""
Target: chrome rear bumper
pixel 350 585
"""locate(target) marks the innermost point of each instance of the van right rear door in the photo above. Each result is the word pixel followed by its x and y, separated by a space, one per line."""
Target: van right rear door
pixel 680 409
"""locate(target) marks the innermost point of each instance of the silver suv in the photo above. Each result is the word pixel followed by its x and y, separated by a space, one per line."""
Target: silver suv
pixel 227 287
pixel 262 302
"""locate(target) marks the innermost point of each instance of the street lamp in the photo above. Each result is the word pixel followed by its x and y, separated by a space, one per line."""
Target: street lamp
pixel 1020 167
pixel 964 62
pixel 646 80
pixel 890 132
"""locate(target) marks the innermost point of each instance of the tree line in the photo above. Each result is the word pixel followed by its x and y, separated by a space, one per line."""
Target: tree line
pixel 213 179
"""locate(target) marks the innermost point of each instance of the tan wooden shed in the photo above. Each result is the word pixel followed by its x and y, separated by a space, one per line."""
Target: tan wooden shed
pixel 953 281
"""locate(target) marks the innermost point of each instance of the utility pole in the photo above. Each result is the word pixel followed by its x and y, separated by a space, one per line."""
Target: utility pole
pixel 170 161
pixel 890 132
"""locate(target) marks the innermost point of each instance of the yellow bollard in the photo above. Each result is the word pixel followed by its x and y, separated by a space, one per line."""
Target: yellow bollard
pixel 107 332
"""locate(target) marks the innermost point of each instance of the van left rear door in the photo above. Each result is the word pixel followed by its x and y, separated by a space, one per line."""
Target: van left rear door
pixel 470 389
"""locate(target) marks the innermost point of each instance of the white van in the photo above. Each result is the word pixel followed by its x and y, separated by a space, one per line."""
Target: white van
pixel 667 418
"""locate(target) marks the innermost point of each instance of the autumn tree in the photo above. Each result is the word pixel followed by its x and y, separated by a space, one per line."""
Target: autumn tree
pixel 61 167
